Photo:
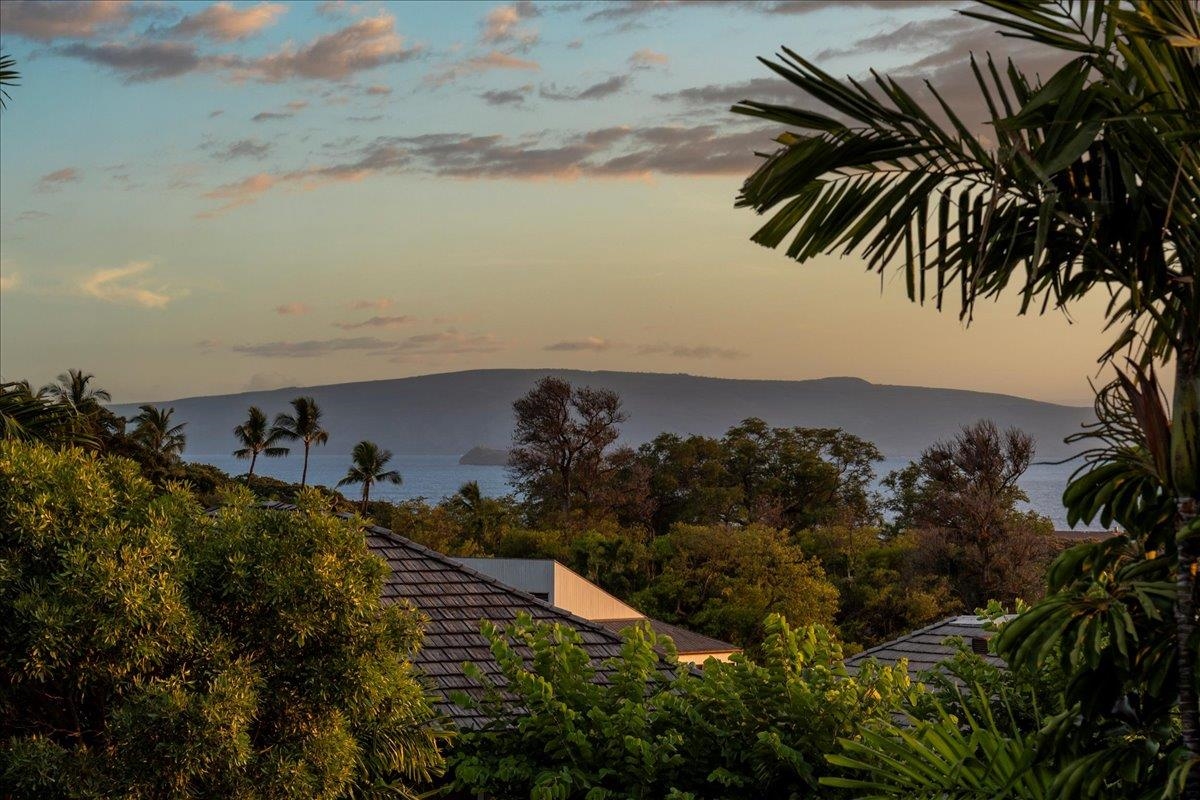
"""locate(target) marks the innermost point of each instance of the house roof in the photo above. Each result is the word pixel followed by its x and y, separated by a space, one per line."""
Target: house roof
pixel 686 642
pixel 455 599
pixel 926 648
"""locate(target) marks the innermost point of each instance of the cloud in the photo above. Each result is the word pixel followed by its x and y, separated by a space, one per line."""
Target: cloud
pixel 477 65
pixel 646 58
pixel 218 112
pixel 626 10
pixel 242 148
pixel 596 91
pixel 53 181
pixel 445 343
pixel 507 97
pixel 311 347
pixel 225 23
pixel 268 116
pixel 598 344
pixel 448 342
pixel 767 90
pixel 10 281
pixel 139 61
pixel 591 343
pixel 291 309
pixel 266 381
pixel 31 215
pixel 47 20
pixel 616 152
pixel 575 44
pixel 360 46
pixel 378 90
pixel 208 345
pixel 114 286
pixel 701 351
pixel 503 24
pixel 379 303
pixel 377 322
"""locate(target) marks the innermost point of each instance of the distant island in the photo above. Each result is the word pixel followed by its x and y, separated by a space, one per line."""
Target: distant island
pixel 485 457
pixel 451 413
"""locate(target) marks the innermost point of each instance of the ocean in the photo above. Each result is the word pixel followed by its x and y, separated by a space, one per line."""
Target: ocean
pixel 436 476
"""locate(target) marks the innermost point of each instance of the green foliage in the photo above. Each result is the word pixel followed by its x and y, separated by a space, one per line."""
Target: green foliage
pixel 651 729
pixel 725 581
pixel 152 650
pixel 785 477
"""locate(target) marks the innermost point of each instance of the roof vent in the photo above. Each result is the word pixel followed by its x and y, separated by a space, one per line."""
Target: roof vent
pixel 979 645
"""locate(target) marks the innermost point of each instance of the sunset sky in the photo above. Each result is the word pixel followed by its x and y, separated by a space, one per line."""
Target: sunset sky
pixel 200 199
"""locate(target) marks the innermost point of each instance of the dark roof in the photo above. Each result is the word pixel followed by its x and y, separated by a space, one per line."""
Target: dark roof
pixel 926 648
pixel 686 642
pixel 456 598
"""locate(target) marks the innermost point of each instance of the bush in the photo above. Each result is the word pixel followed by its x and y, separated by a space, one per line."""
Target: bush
pixel 151 650
pixel 653 729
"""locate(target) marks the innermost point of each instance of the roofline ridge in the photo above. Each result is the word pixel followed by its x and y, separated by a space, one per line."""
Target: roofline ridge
pixel 404 541
pixel 928 628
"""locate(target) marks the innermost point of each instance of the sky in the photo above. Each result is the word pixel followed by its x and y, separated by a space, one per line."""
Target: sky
pixel 204 198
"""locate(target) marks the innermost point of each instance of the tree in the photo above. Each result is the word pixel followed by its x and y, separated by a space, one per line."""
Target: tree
pixel 8 77
pixel 154 650
pixel 966 517
pixel 750 728
pixel 559 442
pixel 26 415
pixel 480 519
pixel 369 468
pixel 724 581
pixel 304 424
pixel 155 432
pixel 256 436
pixel 1092 187
pixel 74 388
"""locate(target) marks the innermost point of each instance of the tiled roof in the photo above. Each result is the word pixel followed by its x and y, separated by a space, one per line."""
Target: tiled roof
pixel 456 598
pixel 926 648
pixel 686 642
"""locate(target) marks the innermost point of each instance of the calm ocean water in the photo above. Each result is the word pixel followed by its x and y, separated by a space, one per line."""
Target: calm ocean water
pixel 435 477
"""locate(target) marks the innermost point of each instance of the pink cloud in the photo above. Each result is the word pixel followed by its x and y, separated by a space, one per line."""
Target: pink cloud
pixel 362 45
pixel 224 22
pixel 52 181
pixel 292 309
pixel 47 20
pixel 377 322
pixel 480 64
pixel 648 58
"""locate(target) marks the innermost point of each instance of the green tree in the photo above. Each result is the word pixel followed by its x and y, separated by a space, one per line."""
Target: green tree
pixel 724 581
pixel 30 416
pixel 560 440
pixel 1092 187
pixel 481 519
pixel 369 468
pixel 74 387
pixel 303 424
pixel 750 728
pixel 152 650
pixel 258 437
pixel 156 432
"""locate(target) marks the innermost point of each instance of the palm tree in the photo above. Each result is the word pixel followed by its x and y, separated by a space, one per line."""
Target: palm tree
pixel 1092 187
pixel 368 469
pixel 73 387
pixel 257 437
pixel 8 77
pixel 26 415
pixel 303 425
pixel 156 433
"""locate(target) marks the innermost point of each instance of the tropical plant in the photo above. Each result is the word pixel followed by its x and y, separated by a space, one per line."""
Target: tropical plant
pixel 258 437
pixel 369 468
pixel 749 728
pixel 304 425
pixel 1092 187
pixel 152 649
pixel 74 388
pixel 156 433
pixel 29 416
pixel 8 77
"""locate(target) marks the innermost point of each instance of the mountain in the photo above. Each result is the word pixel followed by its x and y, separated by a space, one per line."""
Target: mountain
pixel 452 412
